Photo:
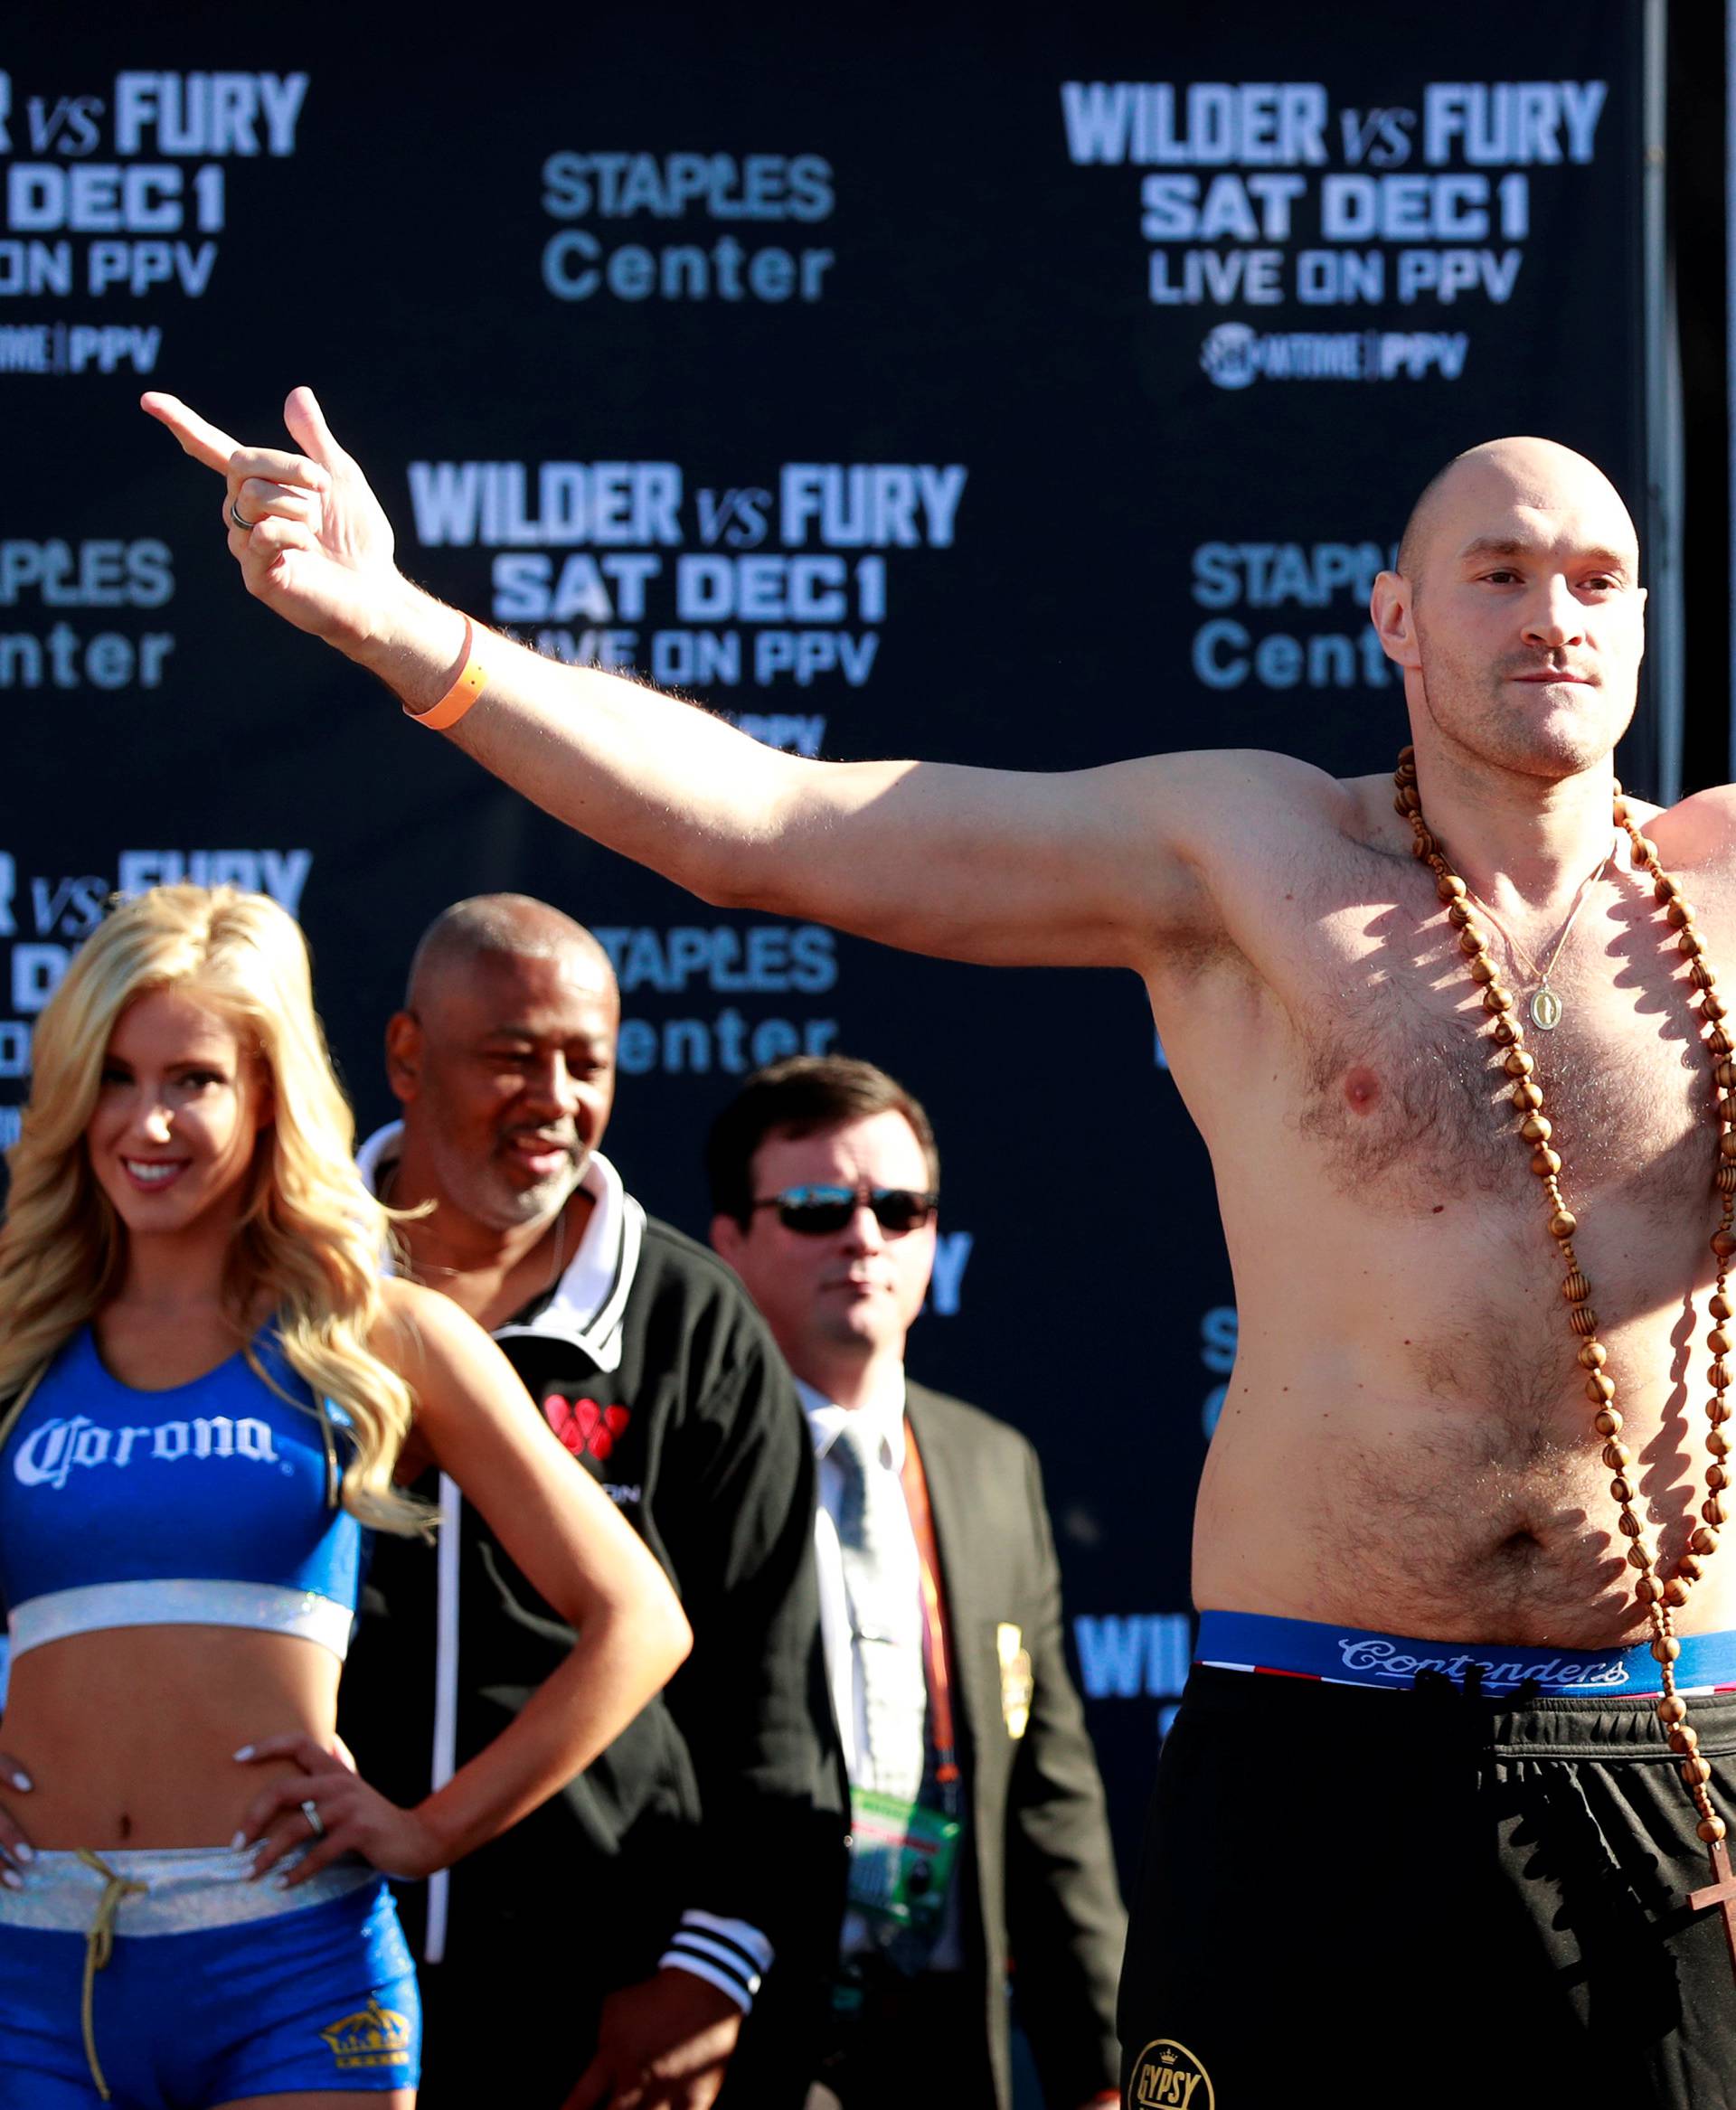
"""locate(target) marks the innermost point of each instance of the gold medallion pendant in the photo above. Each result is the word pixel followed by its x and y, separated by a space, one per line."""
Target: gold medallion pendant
pixel 1546 1009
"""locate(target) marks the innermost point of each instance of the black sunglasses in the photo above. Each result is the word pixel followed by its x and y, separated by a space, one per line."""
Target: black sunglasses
pixel 815 1210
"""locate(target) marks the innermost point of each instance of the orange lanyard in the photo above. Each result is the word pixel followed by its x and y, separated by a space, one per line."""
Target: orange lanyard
pixel 936 1645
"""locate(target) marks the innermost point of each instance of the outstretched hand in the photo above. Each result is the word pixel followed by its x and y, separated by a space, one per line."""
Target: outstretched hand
pixel 307 532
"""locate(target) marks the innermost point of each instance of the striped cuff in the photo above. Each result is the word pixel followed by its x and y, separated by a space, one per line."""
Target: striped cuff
pixel 728 1954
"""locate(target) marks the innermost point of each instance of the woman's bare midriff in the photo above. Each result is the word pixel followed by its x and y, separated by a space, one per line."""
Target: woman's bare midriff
pixel 129 1736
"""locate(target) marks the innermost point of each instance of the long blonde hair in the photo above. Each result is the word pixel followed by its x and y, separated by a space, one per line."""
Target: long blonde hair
pixel 309 1234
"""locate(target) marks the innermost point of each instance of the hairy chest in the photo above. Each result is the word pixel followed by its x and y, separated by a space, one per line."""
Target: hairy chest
pixel 1402 1097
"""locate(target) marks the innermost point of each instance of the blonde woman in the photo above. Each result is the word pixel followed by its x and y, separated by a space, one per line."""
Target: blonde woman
pixel 206 1391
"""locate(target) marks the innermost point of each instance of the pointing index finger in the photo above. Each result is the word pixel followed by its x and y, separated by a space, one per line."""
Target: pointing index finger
pixel 204 441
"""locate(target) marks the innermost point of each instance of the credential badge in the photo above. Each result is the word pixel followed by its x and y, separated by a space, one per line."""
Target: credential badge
pixel 1018 1682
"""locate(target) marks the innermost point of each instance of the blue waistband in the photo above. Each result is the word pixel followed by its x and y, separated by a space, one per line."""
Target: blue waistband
pixel 1355 1655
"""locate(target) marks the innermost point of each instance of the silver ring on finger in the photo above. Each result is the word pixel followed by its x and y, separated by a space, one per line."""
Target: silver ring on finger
pixel 310 1809
pixel 241 522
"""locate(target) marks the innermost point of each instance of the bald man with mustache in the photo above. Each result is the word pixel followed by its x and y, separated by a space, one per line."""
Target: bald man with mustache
pixel 1445 1798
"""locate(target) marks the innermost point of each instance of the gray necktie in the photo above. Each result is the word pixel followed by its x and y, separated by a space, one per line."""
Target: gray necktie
pixel 872 1518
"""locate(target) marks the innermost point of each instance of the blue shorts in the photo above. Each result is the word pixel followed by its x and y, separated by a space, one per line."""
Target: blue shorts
pixel 216 1988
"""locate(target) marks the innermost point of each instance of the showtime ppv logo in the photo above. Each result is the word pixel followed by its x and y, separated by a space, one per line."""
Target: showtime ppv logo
pixel 1234 355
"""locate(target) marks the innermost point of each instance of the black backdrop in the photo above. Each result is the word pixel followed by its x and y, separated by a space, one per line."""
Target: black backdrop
pixel 1122 487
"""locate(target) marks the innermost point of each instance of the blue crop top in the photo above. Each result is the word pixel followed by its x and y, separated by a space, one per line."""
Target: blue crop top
pixel 209 1504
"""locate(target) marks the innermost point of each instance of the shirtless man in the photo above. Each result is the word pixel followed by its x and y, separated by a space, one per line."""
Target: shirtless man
pixel 1381 1889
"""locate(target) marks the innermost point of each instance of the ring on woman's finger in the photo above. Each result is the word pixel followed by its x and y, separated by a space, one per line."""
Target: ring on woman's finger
pixel 240 518
pixel 310 1809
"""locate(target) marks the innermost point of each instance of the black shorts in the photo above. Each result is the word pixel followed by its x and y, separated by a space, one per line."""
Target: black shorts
pixel 1356 1899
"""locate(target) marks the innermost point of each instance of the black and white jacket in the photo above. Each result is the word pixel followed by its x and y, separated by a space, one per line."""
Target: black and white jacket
pixel 711 1834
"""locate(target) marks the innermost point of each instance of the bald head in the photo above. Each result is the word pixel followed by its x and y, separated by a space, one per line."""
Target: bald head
pixel 501 927
pixel 1501 477
pixel 504 1059
pixel 1516 612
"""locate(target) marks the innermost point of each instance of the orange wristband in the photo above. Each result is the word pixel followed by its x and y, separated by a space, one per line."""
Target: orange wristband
pixel 463 692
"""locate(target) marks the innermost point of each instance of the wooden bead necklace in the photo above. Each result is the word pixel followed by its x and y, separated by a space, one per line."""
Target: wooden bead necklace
pixel 1660 1598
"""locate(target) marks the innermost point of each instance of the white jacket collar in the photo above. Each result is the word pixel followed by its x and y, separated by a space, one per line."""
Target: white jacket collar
pixel 589 1301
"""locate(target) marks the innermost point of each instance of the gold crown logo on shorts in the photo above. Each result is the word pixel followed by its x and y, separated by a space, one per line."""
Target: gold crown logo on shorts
pixel 376 2037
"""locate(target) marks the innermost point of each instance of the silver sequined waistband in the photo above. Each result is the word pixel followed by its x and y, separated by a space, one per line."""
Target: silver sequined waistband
pixel 186 1889
pixel 93 1608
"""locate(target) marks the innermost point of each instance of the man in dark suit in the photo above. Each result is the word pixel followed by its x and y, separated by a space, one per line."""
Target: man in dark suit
pixel 979 1836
